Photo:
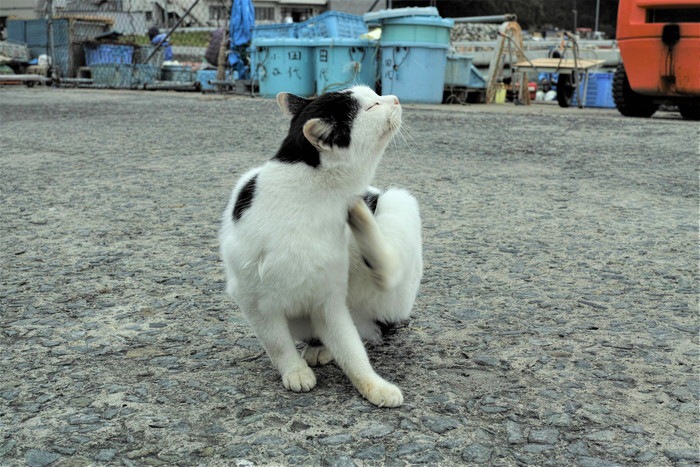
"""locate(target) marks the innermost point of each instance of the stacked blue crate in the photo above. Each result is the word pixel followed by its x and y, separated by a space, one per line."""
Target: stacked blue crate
pixel 598 91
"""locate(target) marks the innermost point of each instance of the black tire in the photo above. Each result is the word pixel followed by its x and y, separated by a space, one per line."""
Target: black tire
pixel 628 102
pixel 565 91
pixel 690 111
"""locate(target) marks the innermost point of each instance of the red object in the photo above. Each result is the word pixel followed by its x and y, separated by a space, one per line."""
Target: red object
pixel 659 42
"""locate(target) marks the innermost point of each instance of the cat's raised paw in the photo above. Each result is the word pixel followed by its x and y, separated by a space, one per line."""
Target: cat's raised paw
pixel 299 380
pixel 317 355
pixel 384 395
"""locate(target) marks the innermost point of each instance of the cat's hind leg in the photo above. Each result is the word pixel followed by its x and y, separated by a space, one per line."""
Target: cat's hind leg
pixel 316 355
pixel 376 253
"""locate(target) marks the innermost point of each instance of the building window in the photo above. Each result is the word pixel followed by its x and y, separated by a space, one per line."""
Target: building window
pixel 218 12
pixel 264 13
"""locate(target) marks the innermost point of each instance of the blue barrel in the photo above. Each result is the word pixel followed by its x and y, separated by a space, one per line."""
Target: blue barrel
pixel 423 29
pixel 284 65
pixel 414 72
pixel 342 63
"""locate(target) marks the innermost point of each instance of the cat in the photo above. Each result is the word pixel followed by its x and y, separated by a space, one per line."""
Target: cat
pixel 312 252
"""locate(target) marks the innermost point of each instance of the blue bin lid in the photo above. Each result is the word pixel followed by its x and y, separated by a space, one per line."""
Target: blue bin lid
pixel 282 42
pixel 416 45
pixel 382 15
pixel 422 21
pixel 343 42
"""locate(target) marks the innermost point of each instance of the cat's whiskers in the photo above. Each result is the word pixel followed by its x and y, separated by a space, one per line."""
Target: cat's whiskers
pixel 408 140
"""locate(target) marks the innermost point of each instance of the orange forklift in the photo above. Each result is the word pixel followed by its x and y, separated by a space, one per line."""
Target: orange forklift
pixel 659 43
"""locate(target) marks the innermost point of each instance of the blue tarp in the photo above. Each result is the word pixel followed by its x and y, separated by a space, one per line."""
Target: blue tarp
pixel 240 27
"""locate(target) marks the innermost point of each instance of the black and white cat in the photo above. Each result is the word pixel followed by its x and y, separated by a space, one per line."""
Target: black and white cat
pixel 311 253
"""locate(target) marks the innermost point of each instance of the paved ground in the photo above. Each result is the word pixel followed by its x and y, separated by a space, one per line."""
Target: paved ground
pixel 557 322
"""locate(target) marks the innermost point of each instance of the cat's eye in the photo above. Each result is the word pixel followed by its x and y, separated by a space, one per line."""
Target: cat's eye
pixel 372 106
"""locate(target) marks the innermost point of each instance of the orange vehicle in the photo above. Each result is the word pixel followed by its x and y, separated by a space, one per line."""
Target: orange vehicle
pixel 659 43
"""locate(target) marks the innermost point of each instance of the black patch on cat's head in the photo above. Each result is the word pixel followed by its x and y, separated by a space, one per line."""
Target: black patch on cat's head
pixel 338 109
pixel 245 198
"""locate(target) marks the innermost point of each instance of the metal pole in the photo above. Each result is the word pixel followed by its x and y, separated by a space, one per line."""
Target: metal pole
pixel 597 14
pixel 486 19
pixel 575 12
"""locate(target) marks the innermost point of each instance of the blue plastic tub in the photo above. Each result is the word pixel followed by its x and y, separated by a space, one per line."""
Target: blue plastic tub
pixel 178 73
pixel 285 65
pixel 203 78
pixel 333 24
pixel 342 63
pixel 414 72
pixel 423 29
pixel 461 72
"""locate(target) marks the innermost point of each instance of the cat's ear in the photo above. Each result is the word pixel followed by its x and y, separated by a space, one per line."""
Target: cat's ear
pixel 317 132
pixel 291 104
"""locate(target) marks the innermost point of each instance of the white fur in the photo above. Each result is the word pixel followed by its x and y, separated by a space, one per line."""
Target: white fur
pixel 295 267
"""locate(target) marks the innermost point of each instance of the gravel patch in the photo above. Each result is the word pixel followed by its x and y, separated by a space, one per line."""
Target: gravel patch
pixel 557 322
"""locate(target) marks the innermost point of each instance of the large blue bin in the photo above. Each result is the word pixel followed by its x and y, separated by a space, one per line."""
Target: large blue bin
pixel 342 63
pixel 284 65
pixel 414 72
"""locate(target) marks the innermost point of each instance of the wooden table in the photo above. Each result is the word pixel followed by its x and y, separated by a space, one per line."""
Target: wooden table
pixel 565 66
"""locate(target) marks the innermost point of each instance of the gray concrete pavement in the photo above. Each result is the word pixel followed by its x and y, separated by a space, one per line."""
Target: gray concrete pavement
pixel 557 322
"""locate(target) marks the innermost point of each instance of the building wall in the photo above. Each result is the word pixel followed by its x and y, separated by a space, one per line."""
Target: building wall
pixel 21 9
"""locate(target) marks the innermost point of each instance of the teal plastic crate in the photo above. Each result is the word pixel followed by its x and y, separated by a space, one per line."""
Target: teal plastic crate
pixel 333 24
pixel 274 31
pixel 461 72
pixel 179 73
pixel 112 75
pixel 123 75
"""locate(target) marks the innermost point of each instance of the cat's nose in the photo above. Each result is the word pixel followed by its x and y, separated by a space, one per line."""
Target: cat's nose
pixel 396 100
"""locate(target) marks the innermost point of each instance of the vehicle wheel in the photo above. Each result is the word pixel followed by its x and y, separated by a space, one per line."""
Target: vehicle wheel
pixel 690 111
pixel 628 102
pixel 565 91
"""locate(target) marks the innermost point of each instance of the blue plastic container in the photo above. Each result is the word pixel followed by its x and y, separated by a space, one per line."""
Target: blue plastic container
pixel 203 78
pixel 414 72
pixel 599 91
pixel 423 29
pixel 342 63
pixel 98 54
pixel 178 73
pixel 333 24
pixel 461 72
pixel 284 65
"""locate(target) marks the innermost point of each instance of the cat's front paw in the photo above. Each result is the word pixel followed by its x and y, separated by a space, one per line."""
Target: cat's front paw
pixel 299 380
pixel 317 355
pixel 383 394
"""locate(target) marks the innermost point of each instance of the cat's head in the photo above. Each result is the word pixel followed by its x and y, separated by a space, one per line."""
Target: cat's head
pixel 346 128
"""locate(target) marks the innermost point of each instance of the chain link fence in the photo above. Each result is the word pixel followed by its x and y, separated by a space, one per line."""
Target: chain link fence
pixel 78 35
